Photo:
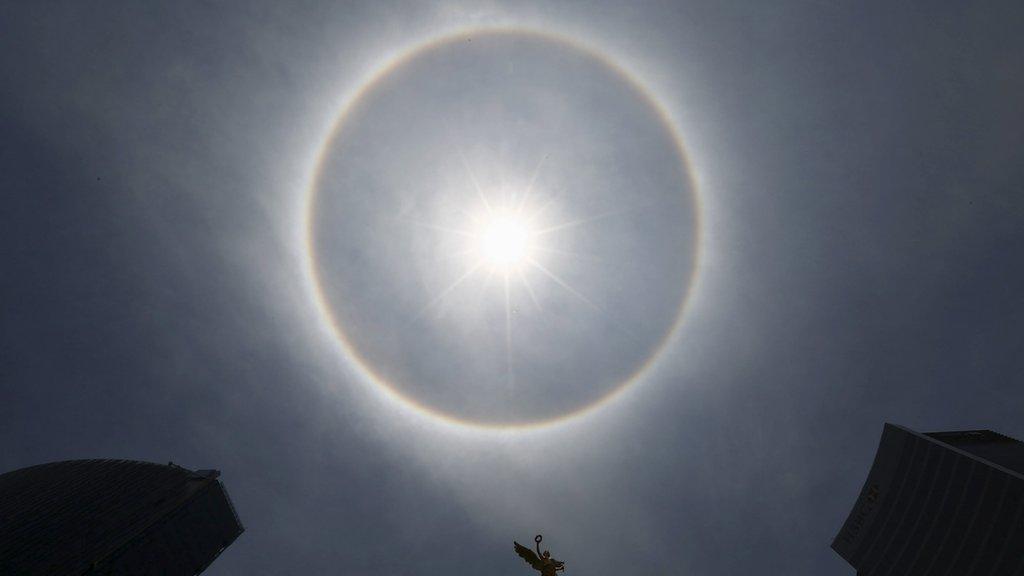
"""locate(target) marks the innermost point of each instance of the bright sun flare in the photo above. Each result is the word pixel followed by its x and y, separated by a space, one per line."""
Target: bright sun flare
pixel 506 238
pixel 504 241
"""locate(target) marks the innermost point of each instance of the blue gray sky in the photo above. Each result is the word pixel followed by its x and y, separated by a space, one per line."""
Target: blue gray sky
pixel 862 228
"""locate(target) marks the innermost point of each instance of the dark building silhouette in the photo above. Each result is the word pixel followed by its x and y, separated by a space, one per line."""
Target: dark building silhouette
pixel 942 503
pixel 113 517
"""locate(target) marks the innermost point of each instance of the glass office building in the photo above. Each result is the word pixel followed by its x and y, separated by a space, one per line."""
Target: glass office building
pixel 940 503
pixel 112 517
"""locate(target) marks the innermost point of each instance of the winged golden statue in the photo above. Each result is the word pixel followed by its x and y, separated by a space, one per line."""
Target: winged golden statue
pixel 541 562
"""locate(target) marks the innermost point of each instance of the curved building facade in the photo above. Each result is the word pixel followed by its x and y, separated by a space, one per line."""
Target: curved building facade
pixel 113 517
pixel 939 504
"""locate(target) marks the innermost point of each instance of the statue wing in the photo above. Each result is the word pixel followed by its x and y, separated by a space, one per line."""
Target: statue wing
pixel 528 555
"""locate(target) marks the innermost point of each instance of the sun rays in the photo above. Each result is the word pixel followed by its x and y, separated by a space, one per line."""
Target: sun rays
pixel 504 238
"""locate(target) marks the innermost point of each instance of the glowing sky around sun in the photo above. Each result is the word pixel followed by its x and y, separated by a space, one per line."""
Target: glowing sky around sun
pixel 172 170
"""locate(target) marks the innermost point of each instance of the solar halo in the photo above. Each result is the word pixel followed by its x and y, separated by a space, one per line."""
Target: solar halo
pixel 501 239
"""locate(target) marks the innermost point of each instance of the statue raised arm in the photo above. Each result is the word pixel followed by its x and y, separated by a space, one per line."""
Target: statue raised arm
pixel 541 561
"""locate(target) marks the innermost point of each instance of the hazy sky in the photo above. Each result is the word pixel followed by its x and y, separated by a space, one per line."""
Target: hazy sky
pixel 858 260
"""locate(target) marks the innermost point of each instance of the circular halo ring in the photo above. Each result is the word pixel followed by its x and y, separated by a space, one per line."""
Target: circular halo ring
pixel 312 268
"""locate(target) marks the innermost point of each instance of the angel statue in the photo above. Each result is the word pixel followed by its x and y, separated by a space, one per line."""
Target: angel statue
pixel 542 562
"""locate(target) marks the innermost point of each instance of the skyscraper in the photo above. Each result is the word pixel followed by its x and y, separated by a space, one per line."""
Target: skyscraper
pixel 112 517
pixel 941 503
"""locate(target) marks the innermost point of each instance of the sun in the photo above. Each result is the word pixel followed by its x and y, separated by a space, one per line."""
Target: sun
pixel 503 240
